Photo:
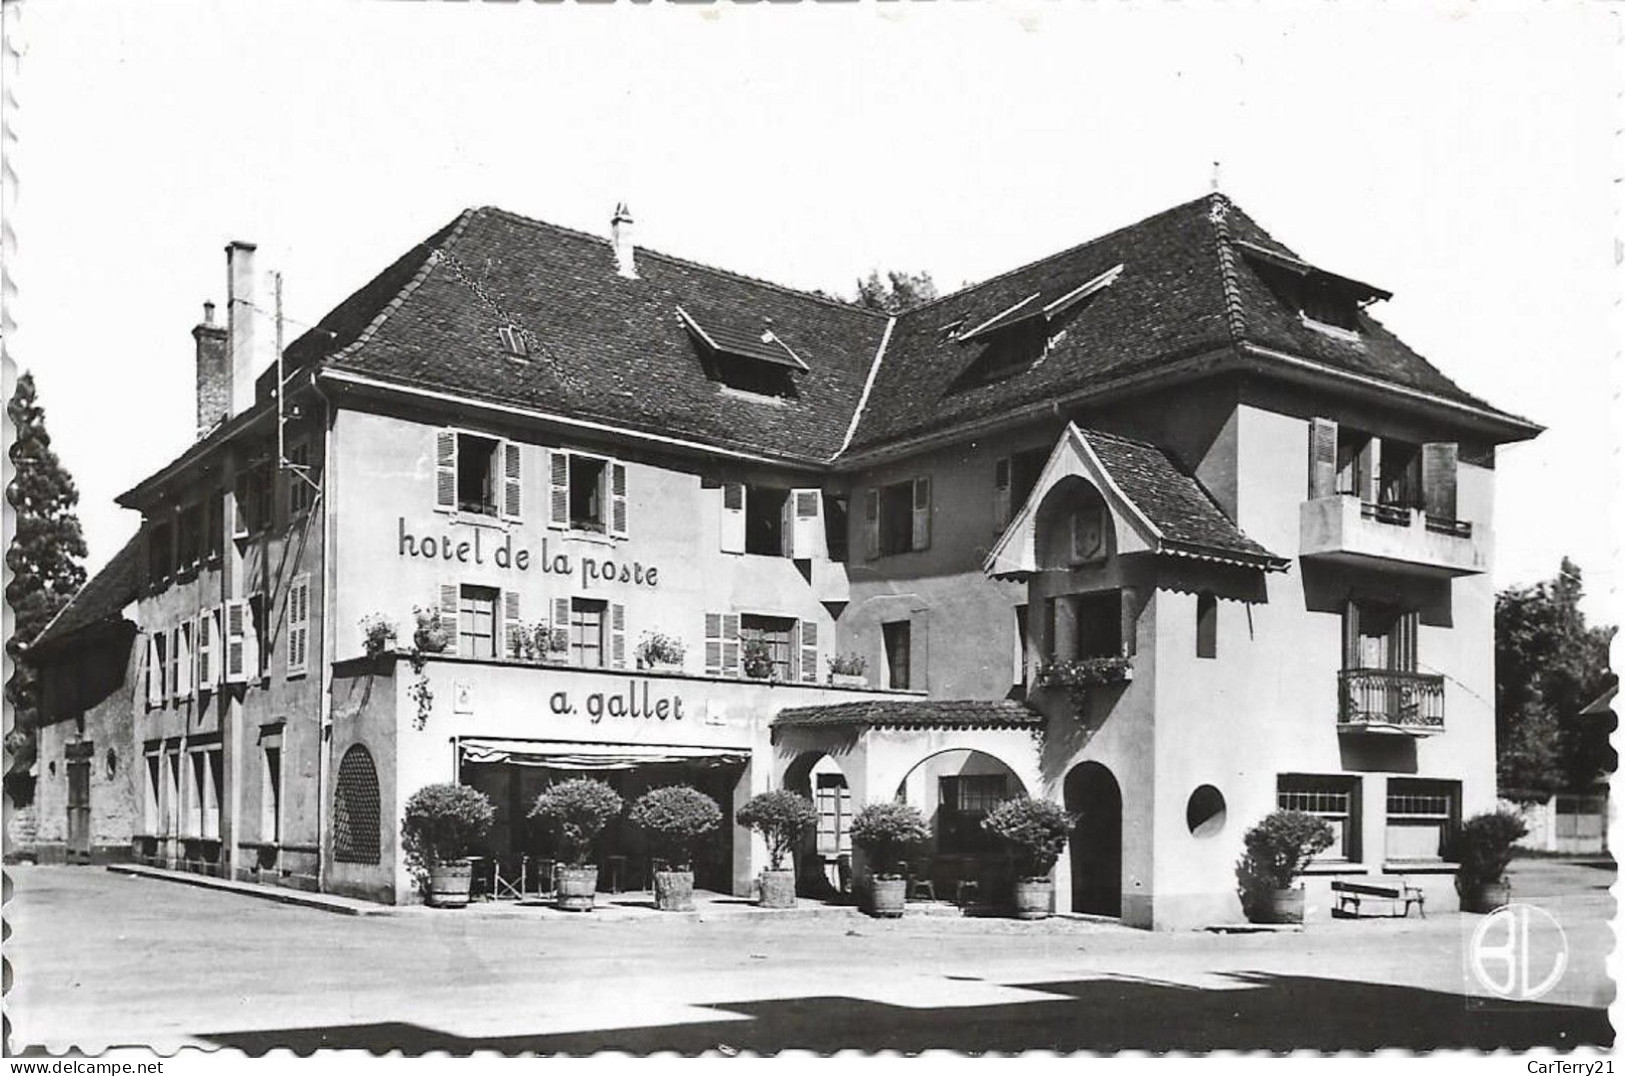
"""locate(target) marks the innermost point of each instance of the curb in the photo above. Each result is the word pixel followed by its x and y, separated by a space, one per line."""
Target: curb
pixel 320 901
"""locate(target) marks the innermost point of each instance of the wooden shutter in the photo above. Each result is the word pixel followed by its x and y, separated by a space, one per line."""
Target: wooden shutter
pixel 299 625
pixel 804 521
pixel 183 661
pixel 448 614
pixel 733 518
pixel 617 635
pixel 239 506
pixel 1001 493
pixel 871 523
pixel 512 628
pixel 155 674
pixel 922 514
pixel 730 644
pixel 713 644
pixel 561 615
pixel 1439 480
pixel 807 646
pixel 208 650
pixel 512 481
pixel 558 489
pixel 617 499
pixel 1322 458
pixel 1351 635
pixel 235 632
pixel 1369 471
pixel 917 654
pixel 445 470
pixel 254 638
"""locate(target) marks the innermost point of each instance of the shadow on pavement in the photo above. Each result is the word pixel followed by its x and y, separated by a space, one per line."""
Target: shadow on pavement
pixel 1260 1012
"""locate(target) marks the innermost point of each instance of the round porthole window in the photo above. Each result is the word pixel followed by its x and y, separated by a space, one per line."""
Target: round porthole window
pixel 1204 811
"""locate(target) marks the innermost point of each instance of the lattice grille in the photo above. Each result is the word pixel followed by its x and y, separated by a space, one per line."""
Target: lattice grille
pixel 355 809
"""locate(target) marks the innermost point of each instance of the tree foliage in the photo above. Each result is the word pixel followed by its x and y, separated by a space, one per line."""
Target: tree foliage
pixel 1548 666
pixel 44 555
pixel 781 817
pixel 578 809
pixel 896 292
pixel 442 823
pixel 1034 831
pixel 676 818
pixel 886 832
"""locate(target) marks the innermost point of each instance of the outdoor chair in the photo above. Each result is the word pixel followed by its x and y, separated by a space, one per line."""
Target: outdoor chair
pixel 920 885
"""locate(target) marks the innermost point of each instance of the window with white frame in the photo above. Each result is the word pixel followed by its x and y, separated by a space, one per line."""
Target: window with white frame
pixel 1422 818
pixel 1333 798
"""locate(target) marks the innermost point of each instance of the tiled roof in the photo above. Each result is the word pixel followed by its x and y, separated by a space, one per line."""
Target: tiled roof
pixel 103 597
pixel 913 713
pixel 606 348
pixel 1174 501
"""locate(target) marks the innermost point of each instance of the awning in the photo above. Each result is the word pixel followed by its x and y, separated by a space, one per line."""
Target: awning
pixel 561 755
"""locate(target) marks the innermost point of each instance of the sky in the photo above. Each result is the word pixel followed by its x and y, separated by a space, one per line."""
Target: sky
pixel 1460 155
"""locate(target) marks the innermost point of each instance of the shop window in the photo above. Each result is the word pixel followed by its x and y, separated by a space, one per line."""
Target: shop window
pixel 271 792
pixel 1334 799
pixel 587 624
pixel 1422 818
pixel 356 813
pixel 895 635
pixel 1087 626
pixel 477 622
pixel 1207 626
pixel 774 634
pixel 963 802
pixel 897 518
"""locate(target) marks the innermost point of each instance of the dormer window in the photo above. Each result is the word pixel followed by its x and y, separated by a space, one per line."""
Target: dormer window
pixel 513 341
pixel 746 356
pixel 1019 337
pixel 1326 302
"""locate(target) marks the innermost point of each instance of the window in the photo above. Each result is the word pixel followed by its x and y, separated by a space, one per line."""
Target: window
pixel 203 805
pixel 1328 305
pixel 189 536
pixel 1013 480
pixel 301 479
pixel 895 635
pixel 1422 817
pixel 897 518
pixel 271 791
pixel 154 793
pixel 1019 675
pixel 1379 636
pixel 1332 798
pixel 356 808
pixel 764 520
pixel 963 802
pixel 476 474
pixel 253 496
pixel 1207 626
pixel 477 622
pixel 1400 475
pixel 172 792
pixel 834 802
pixel 1356 464
pixel 159 649
pixel 514 341
pixel 214 526
pixel 1087 626
pixel 587 632
pixel 774 633
pixel 586 493
pixel 160 551
pixel 299 625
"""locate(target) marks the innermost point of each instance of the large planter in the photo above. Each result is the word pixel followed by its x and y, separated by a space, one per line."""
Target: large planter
pixel 672 667
pixel 1282 906
pixel 576 888
pixel 778 889
pixel 848 680
pixel 674 891
pixel 1485 898
pixel 886 897
pixel 1034 897
pixel 449 883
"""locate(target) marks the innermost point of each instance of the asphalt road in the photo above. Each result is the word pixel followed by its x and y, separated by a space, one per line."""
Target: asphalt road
pixel 96 959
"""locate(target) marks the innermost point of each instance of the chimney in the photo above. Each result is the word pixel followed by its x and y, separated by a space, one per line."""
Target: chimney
pixel 620 233
pixel 213 372
pixel 241 319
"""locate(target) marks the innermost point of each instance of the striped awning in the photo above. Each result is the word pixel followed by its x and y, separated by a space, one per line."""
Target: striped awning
pixel 560 755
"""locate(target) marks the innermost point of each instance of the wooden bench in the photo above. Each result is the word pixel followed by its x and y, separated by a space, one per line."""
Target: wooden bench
pixel 1396 892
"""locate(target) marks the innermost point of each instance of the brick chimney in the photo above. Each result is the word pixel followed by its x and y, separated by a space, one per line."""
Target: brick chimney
pixel 620 237
pixel 241 321
pixel 213 372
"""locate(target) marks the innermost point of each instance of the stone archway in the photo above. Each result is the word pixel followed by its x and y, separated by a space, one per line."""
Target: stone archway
pixel 1096 848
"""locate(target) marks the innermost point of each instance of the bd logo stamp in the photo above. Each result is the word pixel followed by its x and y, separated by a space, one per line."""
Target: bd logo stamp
pixel 1518 952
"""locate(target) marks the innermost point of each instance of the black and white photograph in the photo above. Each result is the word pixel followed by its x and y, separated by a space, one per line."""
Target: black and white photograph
pixel 852 527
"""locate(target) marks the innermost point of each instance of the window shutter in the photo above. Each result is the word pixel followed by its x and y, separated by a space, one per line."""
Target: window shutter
pixel 1351 635
pixel 445 470
pixel 871 523
pixel 512 471
pixel 1001 493
pixel 803 521
pixel 617 635
pixel 1370 471
pixel 558 489
pixel 183 662
pixel 617 499
pixel 917 642
pixel 713 644
pixel 787 527
pixel 205 650
pixel 1439 480
pixel 448 614
pixel 730 644
pixel 808 648
pixel 512 629
pixel 254 637
pixel 239 506
pixel 561 615
pixel 922 514
pixel 236 618
pixel 299 625
pixel 154 674
pixel 1322 458
pixel 733 517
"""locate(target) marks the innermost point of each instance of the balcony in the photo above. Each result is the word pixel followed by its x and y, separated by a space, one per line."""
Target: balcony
pixel 1346 530
pixel 1389 701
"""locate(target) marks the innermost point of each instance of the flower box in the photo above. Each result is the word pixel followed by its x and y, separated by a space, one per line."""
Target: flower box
pixel 662 666
pixel 1087 672
pixel 848 680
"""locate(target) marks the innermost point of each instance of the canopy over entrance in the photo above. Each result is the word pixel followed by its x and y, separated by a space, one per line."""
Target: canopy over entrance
pixel 574 755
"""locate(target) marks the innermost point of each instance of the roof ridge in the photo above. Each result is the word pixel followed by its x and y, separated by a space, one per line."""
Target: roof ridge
pixel 1234 316
pixel 839 304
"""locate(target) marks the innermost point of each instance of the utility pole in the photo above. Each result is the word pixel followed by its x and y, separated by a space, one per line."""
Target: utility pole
pixel 281 418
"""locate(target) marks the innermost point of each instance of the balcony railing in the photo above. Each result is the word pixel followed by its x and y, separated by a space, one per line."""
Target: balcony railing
pixel 1398 515
pixel 1388 699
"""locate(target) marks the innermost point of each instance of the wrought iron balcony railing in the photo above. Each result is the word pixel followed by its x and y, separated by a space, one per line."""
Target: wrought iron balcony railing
pixel 1389 699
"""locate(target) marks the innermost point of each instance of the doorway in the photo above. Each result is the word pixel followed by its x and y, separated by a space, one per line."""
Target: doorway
pixel 1092 795
pixel 79 809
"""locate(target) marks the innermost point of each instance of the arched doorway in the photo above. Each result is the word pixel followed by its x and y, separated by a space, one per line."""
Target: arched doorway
pixel 955 790
pixel 1096 848
pixel 824 861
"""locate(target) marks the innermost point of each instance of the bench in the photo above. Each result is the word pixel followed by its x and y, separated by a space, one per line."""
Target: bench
pixel 1396 892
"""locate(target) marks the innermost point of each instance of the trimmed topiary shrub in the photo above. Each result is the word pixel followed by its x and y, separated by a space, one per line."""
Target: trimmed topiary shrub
pixel 885 832
pixel 676 818
pixel 443 823
pixel 782 818
pixel 1483 848
pixel 1034 832
pixel 578 809
pixel 1278 848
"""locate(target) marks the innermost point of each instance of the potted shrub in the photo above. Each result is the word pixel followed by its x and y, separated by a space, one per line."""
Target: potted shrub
pixel 757 659
pixel 1034 832
pixel 579 809
pixel 847 670
pixel 1483 849
pixel 676 818
pixel 1277 850
pixel 443 822
pixel 430 636
pixel 782 818
pixel 885 832
pixel 659 652
pixel 377 634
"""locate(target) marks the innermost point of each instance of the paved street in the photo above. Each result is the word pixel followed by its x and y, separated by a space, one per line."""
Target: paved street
pixel 101 959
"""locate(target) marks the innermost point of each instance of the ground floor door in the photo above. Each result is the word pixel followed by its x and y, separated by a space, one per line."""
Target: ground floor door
pixel 79 810
pixel 1096 847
